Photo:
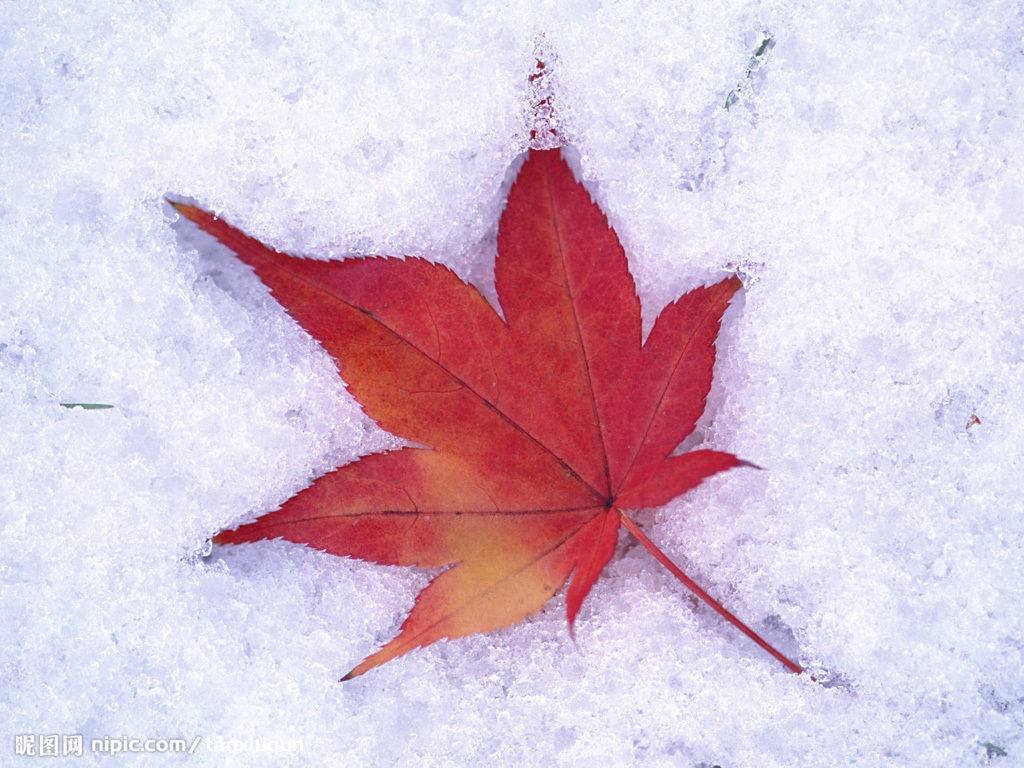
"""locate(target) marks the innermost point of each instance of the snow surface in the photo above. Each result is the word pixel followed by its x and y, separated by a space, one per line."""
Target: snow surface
pixel 866 180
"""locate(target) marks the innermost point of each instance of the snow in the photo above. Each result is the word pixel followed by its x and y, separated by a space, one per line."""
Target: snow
pixel 866 181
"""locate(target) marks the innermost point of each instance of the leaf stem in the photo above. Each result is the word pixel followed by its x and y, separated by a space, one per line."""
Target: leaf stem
pixel 690 584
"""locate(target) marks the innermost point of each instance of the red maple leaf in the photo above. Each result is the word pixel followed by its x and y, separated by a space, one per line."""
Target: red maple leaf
pixel 541 425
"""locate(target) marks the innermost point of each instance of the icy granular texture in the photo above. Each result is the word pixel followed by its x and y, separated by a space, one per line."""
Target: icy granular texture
pixel 866 180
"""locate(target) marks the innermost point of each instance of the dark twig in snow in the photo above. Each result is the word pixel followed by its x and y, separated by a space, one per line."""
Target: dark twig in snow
pixel 756 62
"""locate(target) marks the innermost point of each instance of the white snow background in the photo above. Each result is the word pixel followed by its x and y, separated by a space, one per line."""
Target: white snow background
pixel 866 181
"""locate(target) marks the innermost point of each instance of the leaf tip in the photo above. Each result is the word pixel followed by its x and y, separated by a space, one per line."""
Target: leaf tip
pixel 190 212
pixel 572 635
pixel 360 669
pixel 243 534
pixel 733 283
pixel 572 626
